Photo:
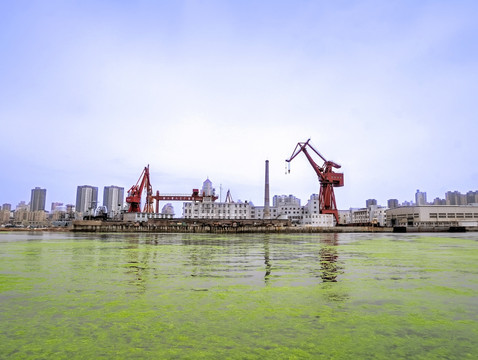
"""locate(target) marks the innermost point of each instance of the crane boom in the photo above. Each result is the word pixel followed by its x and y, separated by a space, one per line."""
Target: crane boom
pixel 327 177
pixel 134 194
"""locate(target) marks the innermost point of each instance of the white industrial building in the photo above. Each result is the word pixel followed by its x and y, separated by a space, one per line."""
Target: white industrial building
pixel 318 220
pixel 216 210
pixel 311 216
pixel 283 207
pixel 433 216
pixel 208 209
pixel 373 214
pixel 143 217
pixel 288 207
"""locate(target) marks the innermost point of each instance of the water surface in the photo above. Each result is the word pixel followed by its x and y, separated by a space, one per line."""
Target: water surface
pixel 200 296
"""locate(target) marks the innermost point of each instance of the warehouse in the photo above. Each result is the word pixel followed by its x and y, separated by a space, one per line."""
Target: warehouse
pixel 433 216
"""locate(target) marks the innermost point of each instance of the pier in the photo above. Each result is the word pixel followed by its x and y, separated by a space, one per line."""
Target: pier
pixel 214 226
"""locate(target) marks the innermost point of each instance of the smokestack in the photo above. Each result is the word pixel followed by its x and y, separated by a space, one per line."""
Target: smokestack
pixel 267 210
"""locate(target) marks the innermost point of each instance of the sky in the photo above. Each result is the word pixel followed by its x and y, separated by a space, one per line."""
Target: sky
pixel 91 92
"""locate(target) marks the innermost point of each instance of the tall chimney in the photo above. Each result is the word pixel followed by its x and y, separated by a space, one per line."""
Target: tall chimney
pixel 267 210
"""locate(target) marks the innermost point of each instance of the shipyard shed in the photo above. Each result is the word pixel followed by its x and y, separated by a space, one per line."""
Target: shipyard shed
pixel 433 216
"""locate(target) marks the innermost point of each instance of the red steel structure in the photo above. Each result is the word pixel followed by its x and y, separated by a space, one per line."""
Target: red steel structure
pixel 144 185
pixel 134 194
pixel 327 177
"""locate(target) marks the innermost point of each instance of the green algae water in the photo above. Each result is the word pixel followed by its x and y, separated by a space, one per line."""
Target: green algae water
pixel 260 296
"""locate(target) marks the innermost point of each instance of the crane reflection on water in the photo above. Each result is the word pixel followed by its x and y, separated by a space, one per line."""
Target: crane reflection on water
pixel 328 258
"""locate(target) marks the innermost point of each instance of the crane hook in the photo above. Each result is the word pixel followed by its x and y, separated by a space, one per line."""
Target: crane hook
pixel 287 167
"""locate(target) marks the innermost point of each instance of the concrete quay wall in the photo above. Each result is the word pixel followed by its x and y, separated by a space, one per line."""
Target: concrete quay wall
pixel 214 227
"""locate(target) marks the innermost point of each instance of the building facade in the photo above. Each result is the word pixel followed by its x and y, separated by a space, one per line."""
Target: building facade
pixel 438 201
pixel 38 199
pixel 284 207
pixel 5 216
pixel 420 198
pixel 433 216
pixel 370 202
pixel 7 207
pixel 216 210
pixel 373 214
pixel 86 199
pixel 472 197
pixel 287 207
pixel 144 217
pixel 113 198
pixel 22 206
pixel 455 198
pixel 392 203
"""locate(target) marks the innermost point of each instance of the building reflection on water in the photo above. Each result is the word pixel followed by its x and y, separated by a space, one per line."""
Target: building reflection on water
pixel 298 260
pixel 267 261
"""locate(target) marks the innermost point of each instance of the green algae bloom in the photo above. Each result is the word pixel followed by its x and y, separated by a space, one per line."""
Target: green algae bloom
pixel 200 296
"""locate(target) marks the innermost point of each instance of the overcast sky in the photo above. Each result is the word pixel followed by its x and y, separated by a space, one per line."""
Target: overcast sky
pixel 93 91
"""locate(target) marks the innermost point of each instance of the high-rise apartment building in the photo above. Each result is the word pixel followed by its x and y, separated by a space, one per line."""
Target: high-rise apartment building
pixel 438 201
pixel 113 199
pixel 472 197
pixel 455 198
pixel 420 198
pixel 7 207
pixel 370 202
pixel 392 203
pixel 86 198
pixel 37 200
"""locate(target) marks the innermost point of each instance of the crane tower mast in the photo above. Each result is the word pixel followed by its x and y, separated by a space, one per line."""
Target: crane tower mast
pixel 327 177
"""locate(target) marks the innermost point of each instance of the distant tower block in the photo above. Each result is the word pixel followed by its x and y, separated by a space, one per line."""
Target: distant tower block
pixel 267 209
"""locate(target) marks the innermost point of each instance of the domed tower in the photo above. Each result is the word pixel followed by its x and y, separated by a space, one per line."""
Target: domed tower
pixel 207 189
pixel 168 209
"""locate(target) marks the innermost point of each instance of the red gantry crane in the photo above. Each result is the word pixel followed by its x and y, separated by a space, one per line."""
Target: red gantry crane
pixel 327 177
pixel 144 185
pixel 134 194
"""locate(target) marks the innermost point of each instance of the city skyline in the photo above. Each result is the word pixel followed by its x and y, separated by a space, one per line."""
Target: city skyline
pixel 93 92
pixel 87 196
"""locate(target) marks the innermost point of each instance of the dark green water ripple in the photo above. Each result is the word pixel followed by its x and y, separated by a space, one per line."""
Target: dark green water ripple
pixel 190 296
